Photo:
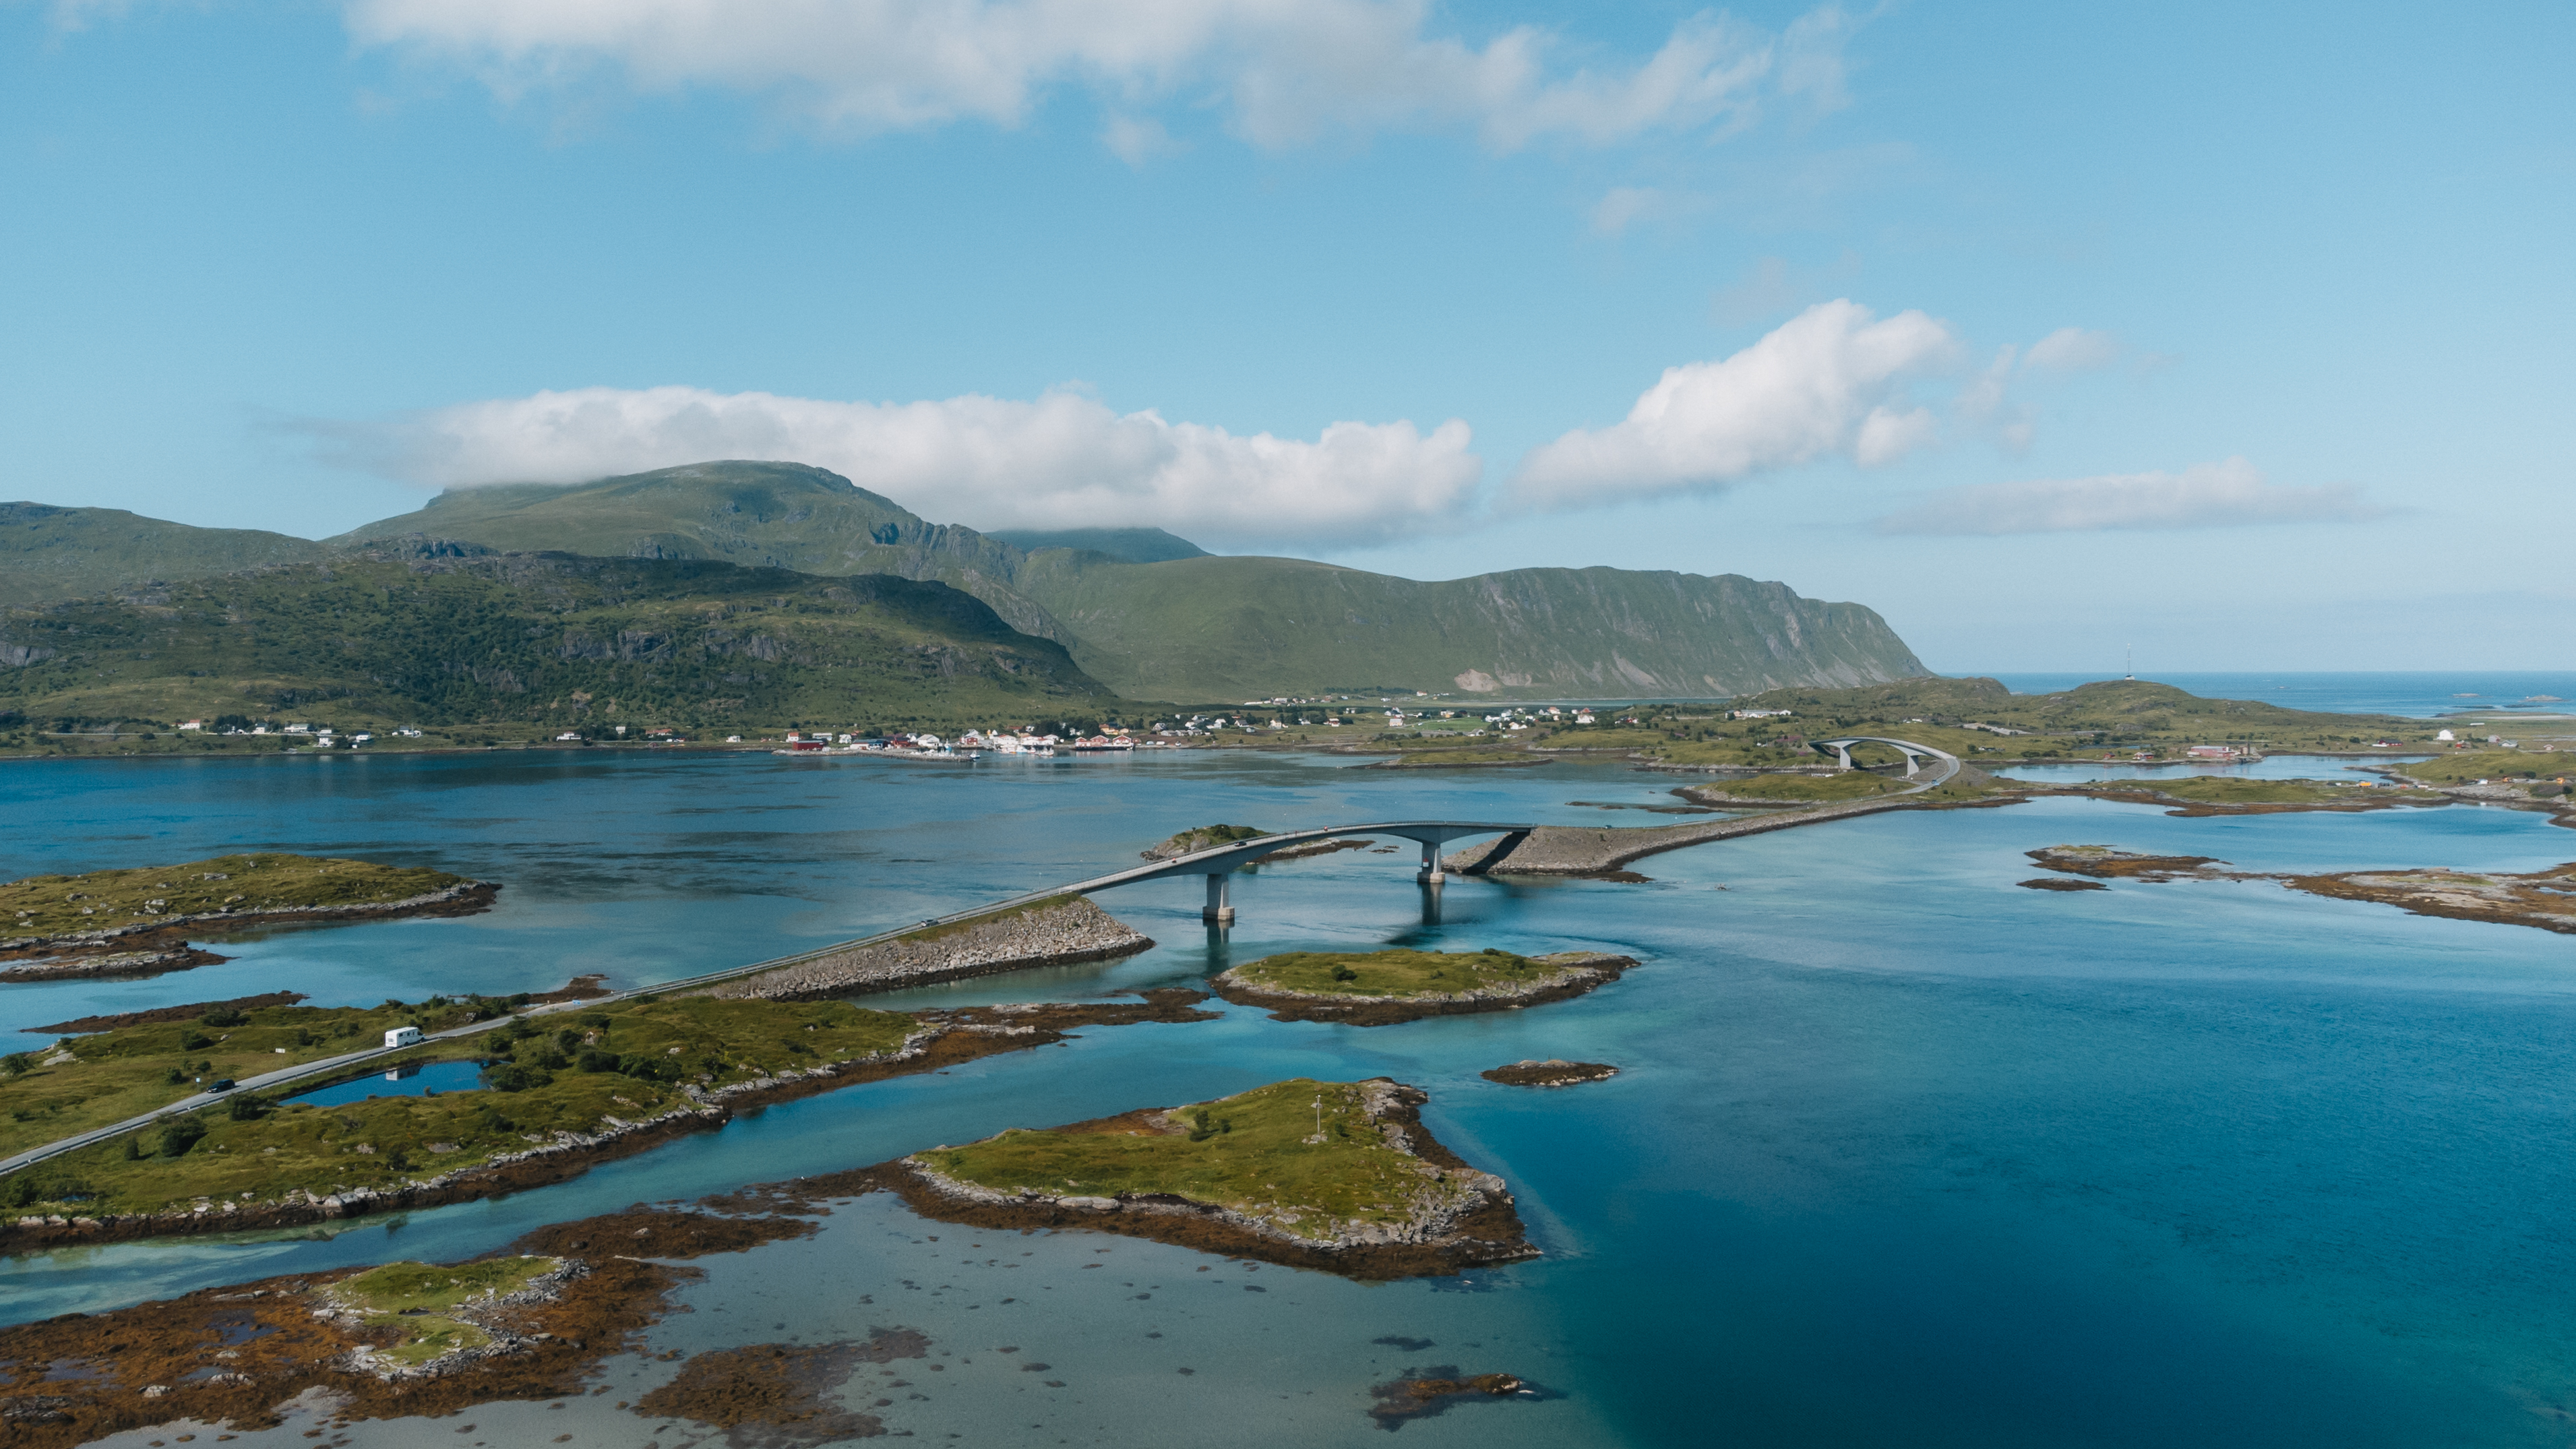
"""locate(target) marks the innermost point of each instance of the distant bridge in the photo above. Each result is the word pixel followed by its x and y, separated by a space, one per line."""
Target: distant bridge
pixel 1219 862
pixel 1914 755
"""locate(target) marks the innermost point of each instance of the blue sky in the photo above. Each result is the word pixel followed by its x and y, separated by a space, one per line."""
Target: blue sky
pixel 1432 290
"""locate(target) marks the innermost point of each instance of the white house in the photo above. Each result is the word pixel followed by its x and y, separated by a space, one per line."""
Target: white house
pixel 403 1036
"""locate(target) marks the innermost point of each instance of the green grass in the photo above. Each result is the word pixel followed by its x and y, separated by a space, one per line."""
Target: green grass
pixel 2227 790
pixel 641 1054
pixel 1207 836
pixel 71 553
pixel 1251 1152
pixel 1382 975
pixel 50 905
pixel 2459 767
pixel 126 1072
pixel 417 1299
pixel 1235 628
pixel 1843 785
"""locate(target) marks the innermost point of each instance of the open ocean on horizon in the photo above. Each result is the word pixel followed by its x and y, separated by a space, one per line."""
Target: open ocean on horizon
pixel 2419 694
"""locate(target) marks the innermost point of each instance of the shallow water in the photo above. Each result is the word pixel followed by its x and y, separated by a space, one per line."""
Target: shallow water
pixel 2270 767
pixel 416 1080
pixel 1902 1152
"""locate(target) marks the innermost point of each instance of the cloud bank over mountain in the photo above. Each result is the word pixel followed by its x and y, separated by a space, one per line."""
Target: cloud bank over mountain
pixel 1060 461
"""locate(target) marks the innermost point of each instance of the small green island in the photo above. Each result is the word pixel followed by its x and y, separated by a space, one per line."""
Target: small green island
pixel 420 1316
pixel 1334 1175
pixel 1380 988
pixel 557 1091
pixel 134 921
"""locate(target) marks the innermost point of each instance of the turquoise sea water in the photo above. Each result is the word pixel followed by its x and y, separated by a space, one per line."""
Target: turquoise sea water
pixel 2417 693
pixel 1902 1153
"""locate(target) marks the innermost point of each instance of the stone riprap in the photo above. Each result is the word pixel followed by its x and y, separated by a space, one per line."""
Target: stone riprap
pixel 1051 933
pixel 1587 850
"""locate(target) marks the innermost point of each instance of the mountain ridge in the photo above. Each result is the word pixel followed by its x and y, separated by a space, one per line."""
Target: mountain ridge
pixel 1199 627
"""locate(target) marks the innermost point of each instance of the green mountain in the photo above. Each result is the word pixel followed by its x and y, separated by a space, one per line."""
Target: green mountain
pixel 1202 628
pixel 1247 628
pixel 1127 545
pixel 1142 612
pixel 70 553
pixel 444 636
pixel 767 515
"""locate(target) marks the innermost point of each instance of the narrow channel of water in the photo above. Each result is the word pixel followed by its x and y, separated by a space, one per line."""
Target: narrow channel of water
pixel 1902 1152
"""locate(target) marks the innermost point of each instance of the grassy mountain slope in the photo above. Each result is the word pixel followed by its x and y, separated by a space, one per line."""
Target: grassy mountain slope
pixel 537 640
pixel 67 553
pixel 768 515
pixel 1241 628
pixel 1127 545
pixel 1190 627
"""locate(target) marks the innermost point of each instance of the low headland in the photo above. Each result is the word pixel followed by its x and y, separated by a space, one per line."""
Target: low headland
pixel 2545 899
pixel 1380 988
pixel 1338 1176
pixel 558 1095
pixel 136 921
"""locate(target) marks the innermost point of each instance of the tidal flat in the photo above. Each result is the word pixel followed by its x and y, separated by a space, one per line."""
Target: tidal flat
pixel 1897 1151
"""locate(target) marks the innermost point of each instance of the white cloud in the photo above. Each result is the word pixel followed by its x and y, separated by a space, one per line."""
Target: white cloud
pixel 1830 382
pixel 2072 349
pixel 1622 207
pixel 2229 494
pixel 1289 71
pixel 1060 461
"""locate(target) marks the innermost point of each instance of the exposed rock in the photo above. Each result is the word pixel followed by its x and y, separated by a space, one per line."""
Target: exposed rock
pixel 1554 1072
pixel 1056 932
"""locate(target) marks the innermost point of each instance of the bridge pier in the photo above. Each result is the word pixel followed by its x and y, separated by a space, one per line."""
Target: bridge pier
pixel 1220 906
pixel 1430 874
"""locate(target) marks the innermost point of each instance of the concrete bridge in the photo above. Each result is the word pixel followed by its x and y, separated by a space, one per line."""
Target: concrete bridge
pixel 1914 755
pixel 1219 862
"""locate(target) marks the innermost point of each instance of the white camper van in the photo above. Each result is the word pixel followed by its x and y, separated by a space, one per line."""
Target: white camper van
pixel 403 1036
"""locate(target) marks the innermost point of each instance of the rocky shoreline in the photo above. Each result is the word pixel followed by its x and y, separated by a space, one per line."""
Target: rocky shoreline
pixel 1468 1222
pixel 1581 972
pixel 946 1040
pixel 159 944
pixel 1060 932
pixel 247 1356
pixel 1554 1072
pixel 2543 899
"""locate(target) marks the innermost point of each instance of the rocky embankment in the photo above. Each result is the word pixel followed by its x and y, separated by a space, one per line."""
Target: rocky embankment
pixel 1058 932
pixel 1460 1217
pixel 1573 974
pixel 158 943
pixel 1595 850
